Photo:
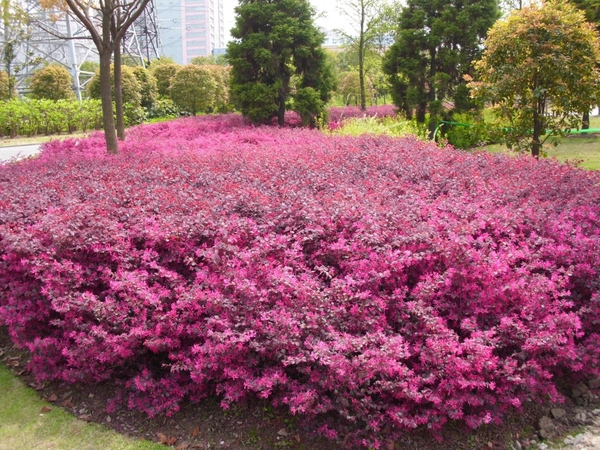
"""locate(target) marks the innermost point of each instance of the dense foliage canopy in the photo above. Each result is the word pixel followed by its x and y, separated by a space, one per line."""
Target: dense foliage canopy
pixel 193 89
pixel 130 86
pixel 436 42
pixel 164 74
pixel 53 82
pixel 275 40
pixel 149 89
pixel 540 70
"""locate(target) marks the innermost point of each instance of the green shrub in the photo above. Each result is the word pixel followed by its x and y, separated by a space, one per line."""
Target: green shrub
pixel 133 115
pixel 28 117
pixel 389 126
pixel 211 60
pixel 163 108
pixel 53 82
pixel 306 102
pixel 164 74
pixel 478 132
pixel 220 76
pixel 130 86
pixel 149 89
pixel 193 89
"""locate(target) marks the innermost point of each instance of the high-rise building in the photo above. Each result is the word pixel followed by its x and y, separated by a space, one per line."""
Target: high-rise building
pixel 190 28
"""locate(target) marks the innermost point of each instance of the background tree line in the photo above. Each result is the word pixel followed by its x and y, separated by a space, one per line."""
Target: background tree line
pixel 165 89
pixel 419 54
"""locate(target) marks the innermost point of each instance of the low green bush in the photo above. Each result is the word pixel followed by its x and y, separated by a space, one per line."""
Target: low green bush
pixel 163 108
pixel 133 115
pixel 28 117
pixel 471 130
pixel 390 126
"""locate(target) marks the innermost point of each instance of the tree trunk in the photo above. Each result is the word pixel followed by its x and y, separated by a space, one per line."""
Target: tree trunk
pixel 361 58
pixel 537 132
pixel 281 111
pixel 538 120
pixel 119 92
pixel 361 77
pixel 120 16
pixel 585 121
pixel 283 92
pixel 421 112
pixel 108 119
pixel 432 97
pixel 11 82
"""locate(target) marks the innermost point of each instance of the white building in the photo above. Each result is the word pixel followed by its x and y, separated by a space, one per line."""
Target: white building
pixel 190 28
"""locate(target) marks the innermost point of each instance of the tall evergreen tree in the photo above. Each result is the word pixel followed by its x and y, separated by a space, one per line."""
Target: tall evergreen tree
pixel 436 42
pixel 275 40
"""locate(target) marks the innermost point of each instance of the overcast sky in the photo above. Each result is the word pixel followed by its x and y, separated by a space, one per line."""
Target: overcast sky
pixel 330 21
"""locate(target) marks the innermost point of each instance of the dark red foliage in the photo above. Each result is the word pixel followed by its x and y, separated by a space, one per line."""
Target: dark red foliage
pixel 368 282
pixel 337 115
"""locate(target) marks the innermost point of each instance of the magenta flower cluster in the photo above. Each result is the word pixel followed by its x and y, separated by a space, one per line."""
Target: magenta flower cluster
pixel 372 284
pixel 337 115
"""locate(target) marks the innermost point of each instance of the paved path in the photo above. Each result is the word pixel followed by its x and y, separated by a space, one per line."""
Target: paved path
pixel 18 151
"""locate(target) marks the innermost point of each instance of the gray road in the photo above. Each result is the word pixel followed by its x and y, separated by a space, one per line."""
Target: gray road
pixel 18 151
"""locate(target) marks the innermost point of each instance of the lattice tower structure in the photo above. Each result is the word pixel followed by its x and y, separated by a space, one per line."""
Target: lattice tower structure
pixel 52 36
pixel 57 37
pixel 142 40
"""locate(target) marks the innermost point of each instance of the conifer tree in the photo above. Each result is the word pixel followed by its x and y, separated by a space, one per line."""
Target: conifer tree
pixel 275 40
pixel 436 43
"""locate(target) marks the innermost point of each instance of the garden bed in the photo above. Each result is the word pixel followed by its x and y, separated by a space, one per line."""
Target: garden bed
pixel 371 285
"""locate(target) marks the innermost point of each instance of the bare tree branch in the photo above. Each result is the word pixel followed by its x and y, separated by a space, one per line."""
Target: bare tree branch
pixel 42 26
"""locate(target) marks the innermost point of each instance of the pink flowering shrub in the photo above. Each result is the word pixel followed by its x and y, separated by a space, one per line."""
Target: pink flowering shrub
pixel 370 283
pixel 337 115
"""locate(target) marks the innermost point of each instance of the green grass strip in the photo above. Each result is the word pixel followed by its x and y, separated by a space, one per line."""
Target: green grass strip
pixel 24 426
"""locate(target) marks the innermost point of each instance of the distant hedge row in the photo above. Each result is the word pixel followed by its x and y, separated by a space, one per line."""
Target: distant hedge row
pixel 29 117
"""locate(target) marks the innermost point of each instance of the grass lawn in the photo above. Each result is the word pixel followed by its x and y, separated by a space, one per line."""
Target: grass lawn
pixel 23 425
pixel 574 148
pixel 578 147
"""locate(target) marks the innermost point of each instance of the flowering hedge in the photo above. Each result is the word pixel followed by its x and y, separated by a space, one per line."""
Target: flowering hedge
pixel 337 115
pixel 370 283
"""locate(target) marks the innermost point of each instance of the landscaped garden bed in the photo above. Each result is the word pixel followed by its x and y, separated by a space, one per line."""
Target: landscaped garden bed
pixel 368 284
